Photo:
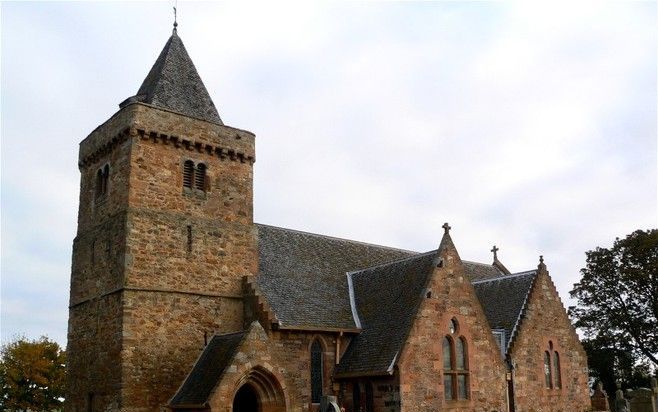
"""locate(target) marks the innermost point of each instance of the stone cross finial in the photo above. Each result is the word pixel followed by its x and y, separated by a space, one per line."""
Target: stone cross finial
pixel 446 227
pixel 495 252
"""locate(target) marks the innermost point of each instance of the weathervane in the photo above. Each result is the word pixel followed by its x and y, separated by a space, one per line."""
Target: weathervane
pixel 175 18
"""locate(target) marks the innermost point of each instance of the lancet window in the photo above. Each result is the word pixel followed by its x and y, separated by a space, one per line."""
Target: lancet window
pixel 455 364
pixel 316 372
pixel 552 372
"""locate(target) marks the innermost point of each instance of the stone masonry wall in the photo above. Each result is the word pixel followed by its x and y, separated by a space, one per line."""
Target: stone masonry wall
pixel 97 271
pixel 94 346
pixel 173 257
pixel 546 321
pixel 162 338
pixel 421 362
pixel 187 250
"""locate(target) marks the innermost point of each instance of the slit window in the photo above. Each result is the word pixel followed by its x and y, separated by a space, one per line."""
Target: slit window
pixel 102 178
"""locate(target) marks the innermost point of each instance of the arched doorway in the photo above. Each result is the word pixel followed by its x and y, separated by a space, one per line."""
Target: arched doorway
pixel 259 391
pixel 246 400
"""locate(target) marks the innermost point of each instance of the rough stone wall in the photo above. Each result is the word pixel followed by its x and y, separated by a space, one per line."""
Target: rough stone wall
pixel 176 256
pixel 421 362
pixel 97 271
pixel 93 350
pixel 163 335
pixel 546 320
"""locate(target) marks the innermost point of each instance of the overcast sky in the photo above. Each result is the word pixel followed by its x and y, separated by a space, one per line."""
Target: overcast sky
pixel 528 126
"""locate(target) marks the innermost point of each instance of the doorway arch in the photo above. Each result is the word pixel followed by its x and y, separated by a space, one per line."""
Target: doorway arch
pixel 259 391
pixel 246 399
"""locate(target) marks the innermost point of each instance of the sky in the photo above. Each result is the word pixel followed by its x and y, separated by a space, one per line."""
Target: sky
pixel 528 125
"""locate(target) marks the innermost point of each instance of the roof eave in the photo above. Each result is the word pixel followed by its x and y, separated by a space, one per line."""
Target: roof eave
pixel 318 329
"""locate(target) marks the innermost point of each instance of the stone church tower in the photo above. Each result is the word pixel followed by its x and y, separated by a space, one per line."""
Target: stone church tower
pixel 165 237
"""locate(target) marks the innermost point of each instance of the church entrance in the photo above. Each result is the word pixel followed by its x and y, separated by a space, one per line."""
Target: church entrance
pixel 259 391
pixel 246 400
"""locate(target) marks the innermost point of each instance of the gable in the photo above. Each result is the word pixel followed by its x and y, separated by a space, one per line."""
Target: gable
pixel 386 300
pixel 504 298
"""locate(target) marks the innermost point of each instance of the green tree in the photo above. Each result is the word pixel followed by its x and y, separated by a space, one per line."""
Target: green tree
pixel 617 309
pixel 32 375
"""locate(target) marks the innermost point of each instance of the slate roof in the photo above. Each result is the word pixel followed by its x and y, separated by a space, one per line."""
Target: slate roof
pixel 387 298
pixel 478 271
pixel 303 275
pixel 207 370
pixel 503 299
pixel 174 84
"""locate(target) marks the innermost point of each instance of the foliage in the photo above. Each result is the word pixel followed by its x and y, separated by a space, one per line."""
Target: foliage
pixel 618 309
pixel 32 375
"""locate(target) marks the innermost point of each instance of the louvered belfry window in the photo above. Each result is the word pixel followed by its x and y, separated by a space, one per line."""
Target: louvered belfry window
pixel 200 177
pixel 316 372
pixel 188 173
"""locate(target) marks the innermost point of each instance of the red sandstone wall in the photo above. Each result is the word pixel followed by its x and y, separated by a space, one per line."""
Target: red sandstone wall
pixel 546 320
pixel 421 363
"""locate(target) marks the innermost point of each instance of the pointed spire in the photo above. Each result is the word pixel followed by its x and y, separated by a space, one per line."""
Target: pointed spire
pixel 174 84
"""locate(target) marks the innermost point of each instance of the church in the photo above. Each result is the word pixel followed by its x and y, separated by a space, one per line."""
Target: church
pixel 179 301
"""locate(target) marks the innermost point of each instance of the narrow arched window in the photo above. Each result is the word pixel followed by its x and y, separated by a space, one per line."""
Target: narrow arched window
pixel 200 177
pixel 356 397
pixel 99 184
pixel 106 178
pixel 548 379
pixel 556 370
pixel 455 364
pixel 188 173
pixel 316 372
pixel 370 399
pixel 447 353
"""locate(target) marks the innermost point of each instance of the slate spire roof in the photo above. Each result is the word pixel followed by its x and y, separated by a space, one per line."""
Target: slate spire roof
pixel 174 84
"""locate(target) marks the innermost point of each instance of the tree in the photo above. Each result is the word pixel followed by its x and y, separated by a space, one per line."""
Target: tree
pixel 32 375
pixel 618 308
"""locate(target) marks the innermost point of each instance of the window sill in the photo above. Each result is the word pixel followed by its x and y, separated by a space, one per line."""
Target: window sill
pixel 194 193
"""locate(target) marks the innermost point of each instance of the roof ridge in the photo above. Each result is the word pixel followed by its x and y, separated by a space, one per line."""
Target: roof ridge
pixel 337 238
pixel 392 262
pixel 478 263
pixel 513 275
